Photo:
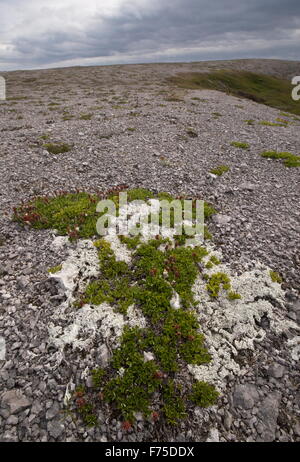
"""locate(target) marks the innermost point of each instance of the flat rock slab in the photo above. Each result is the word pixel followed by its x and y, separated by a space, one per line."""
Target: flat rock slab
pixel 268 414
pixel 15 400
pixel 245 396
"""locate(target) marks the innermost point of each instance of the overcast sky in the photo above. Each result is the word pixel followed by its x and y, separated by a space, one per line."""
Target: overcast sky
pixel 56 33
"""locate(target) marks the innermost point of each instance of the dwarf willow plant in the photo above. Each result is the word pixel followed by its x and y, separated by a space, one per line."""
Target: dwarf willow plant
pixel 172 336
pixel 74 214
pixel 148 359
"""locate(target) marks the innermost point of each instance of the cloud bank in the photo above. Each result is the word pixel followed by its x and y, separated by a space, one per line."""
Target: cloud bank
pixel 41 34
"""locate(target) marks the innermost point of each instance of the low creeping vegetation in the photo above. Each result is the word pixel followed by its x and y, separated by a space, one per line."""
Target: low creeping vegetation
pixel 86 116
pixel 218 281
pixel 249 121
pixel 289 160
pixel 74 214
pixel 145 372
pixel 148 358
pixel 191 133
pixel 57 148
pixel 272 124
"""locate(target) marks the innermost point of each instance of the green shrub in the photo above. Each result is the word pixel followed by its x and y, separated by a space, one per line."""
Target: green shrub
pixel 204 394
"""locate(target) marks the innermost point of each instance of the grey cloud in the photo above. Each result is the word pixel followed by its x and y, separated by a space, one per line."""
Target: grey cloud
pixel 191 29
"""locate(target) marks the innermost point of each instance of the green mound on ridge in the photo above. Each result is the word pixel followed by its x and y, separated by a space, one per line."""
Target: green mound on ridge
pixel 260 88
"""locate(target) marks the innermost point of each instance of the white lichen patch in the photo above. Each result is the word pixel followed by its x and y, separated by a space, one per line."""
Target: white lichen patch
pixel 229 326
pixel 87 323
pixel 81 264
pixel 94 321
pixel 234 325
pixel 135 317
pixel 294 346
pixel 60 242
pixel 120 250
pixel 175 301
pixel 133 218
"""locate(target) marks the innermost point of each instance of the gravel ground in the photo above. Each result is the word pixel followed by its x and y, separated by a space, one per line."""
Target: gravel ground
pixel 138 135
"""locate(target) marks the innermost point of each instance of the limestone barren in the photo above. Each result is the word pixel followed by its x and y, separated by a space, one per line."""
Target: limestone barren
pixel 128 125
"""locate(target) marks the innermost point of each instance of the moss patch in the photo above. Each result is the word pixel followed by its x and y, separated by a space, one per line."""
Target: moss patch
pixel 276 277
pixel 272 124
pixel 86 116
pixel 217 281
pixel 55 269
pixel 220 170
pixel 237 144
pixel 191 133
pixel 290 160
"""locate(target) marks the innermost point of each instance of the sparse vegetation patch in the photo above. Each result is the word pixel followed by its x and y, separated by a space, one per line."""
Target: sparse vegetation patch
pixel 237 144
pixel 289 160
pixel 220 170
pixel 57 148
pixel 145 364
pixel 171 339
pixel 272 124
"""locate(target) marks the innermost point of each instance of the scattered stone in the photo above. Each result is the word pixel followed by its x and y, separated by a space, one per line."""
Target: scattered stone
pixel 221 219
pixel 268 413
pixel 213 436
pixel 52 411
pixel 247 186
pixel 15 400
pixel 245 396
pixel 2 348
pixel 297 428
pixel 55 428
pixel 148 356
pixel 12 420
pixel 22 282
pixel 104 355
pixel 276 371
pixel 227 420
